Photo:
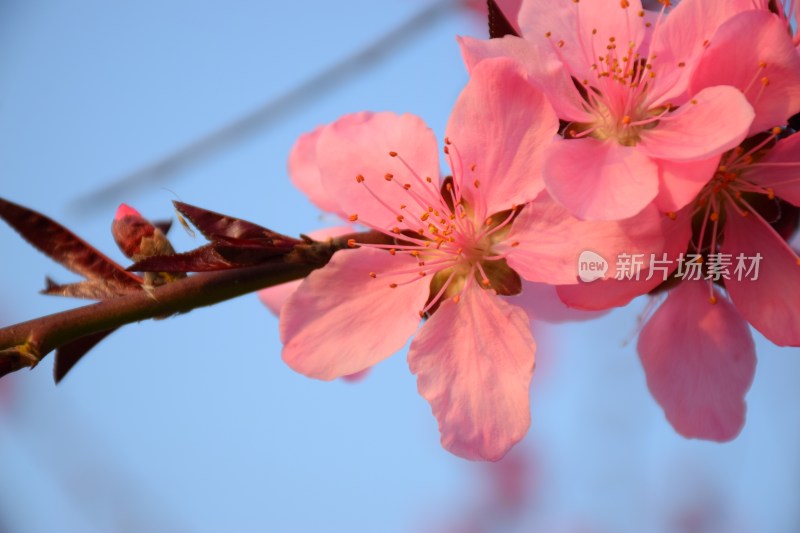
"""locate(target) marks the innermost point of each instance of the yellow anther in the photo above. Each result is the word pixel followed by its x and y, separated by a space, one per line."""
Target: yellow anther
pixel 422 273
pixel 762 64
pixel 776 131
pixel 388 177
pixel 400 218
pixel 353 217
pixel 428 179
pixel 396 230
pixel 712 299
pixel 393 154
pixel 626 119
pixel 514 244
pixel 393 285
pixel 392 251
pixel 547 34
pixel 407 186
pixel 672 215
pixel 624 4
pixel 425 216
pixel 415 253
pixel 560 44
pixel 456 298
pixel 486 282
pixel 360 178
pixel 693 101
pixel 770 193
pixel 765 81
pixel 714 216
pixel 373 275
pixel 351 243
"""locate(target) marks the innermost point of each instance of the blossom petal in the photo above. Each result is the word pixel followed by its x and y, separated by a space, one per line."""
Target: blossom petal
pixel 304 172
pixel 499 129
pixel 541 302
pixel 771 303
pixel 679 183
pixel 779 169
pixel 599 180
pixel 699 359
pixel 274 297
pixel 474 360
pixel 715 120
pixel 546 242
pixel 544 69
pixel 607 293
pixel 681 40
pixel 774 89
pixel 360 145
pixel 341 320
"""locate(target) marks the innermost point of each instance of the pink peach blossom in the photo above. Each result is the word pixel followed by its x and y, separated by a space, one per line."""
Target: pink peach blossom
pixel 696 350
pixel 623 89
pixel 453 245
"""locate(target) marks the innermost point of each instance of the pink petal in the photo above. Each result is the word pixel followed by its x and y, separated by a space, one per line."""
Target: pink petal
pixel 679 183
pixel 304 172
pixel 544 69
pixel 770 303
pixel 358 376
pixel 599 180
pixel 715 120
pixel 779 169
pixel 474 361
pixel 734 60
pixel 274 297
pixel 681 38
pixel 541 302
pixel 604 294
pixel 499 129
pixel 699 359
pixel 550 240
pixel 360 145
pixel 341 320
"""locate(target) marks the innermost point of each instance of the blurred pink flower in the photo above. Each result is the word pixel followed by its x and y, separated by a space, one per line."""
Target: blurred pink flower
pixel 456 244
pixel 623 88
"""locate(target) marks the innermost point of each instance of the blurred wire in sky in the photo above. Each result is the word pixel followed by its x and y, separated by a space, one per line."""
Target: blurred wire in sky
pixel 271 111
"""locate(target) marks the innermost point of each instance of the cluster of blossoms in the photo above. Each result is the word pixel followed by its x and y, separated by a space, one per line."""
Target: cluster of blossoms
pixel 603 127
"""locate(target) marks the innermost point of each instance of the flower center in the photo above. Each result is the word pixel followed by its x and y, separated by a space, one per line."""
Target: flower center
pixel 439 228
pixel 618 88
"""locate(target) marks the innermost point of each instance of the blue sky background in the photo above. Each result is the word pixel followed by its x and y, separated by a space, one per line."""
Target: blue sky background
pixel 194 424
